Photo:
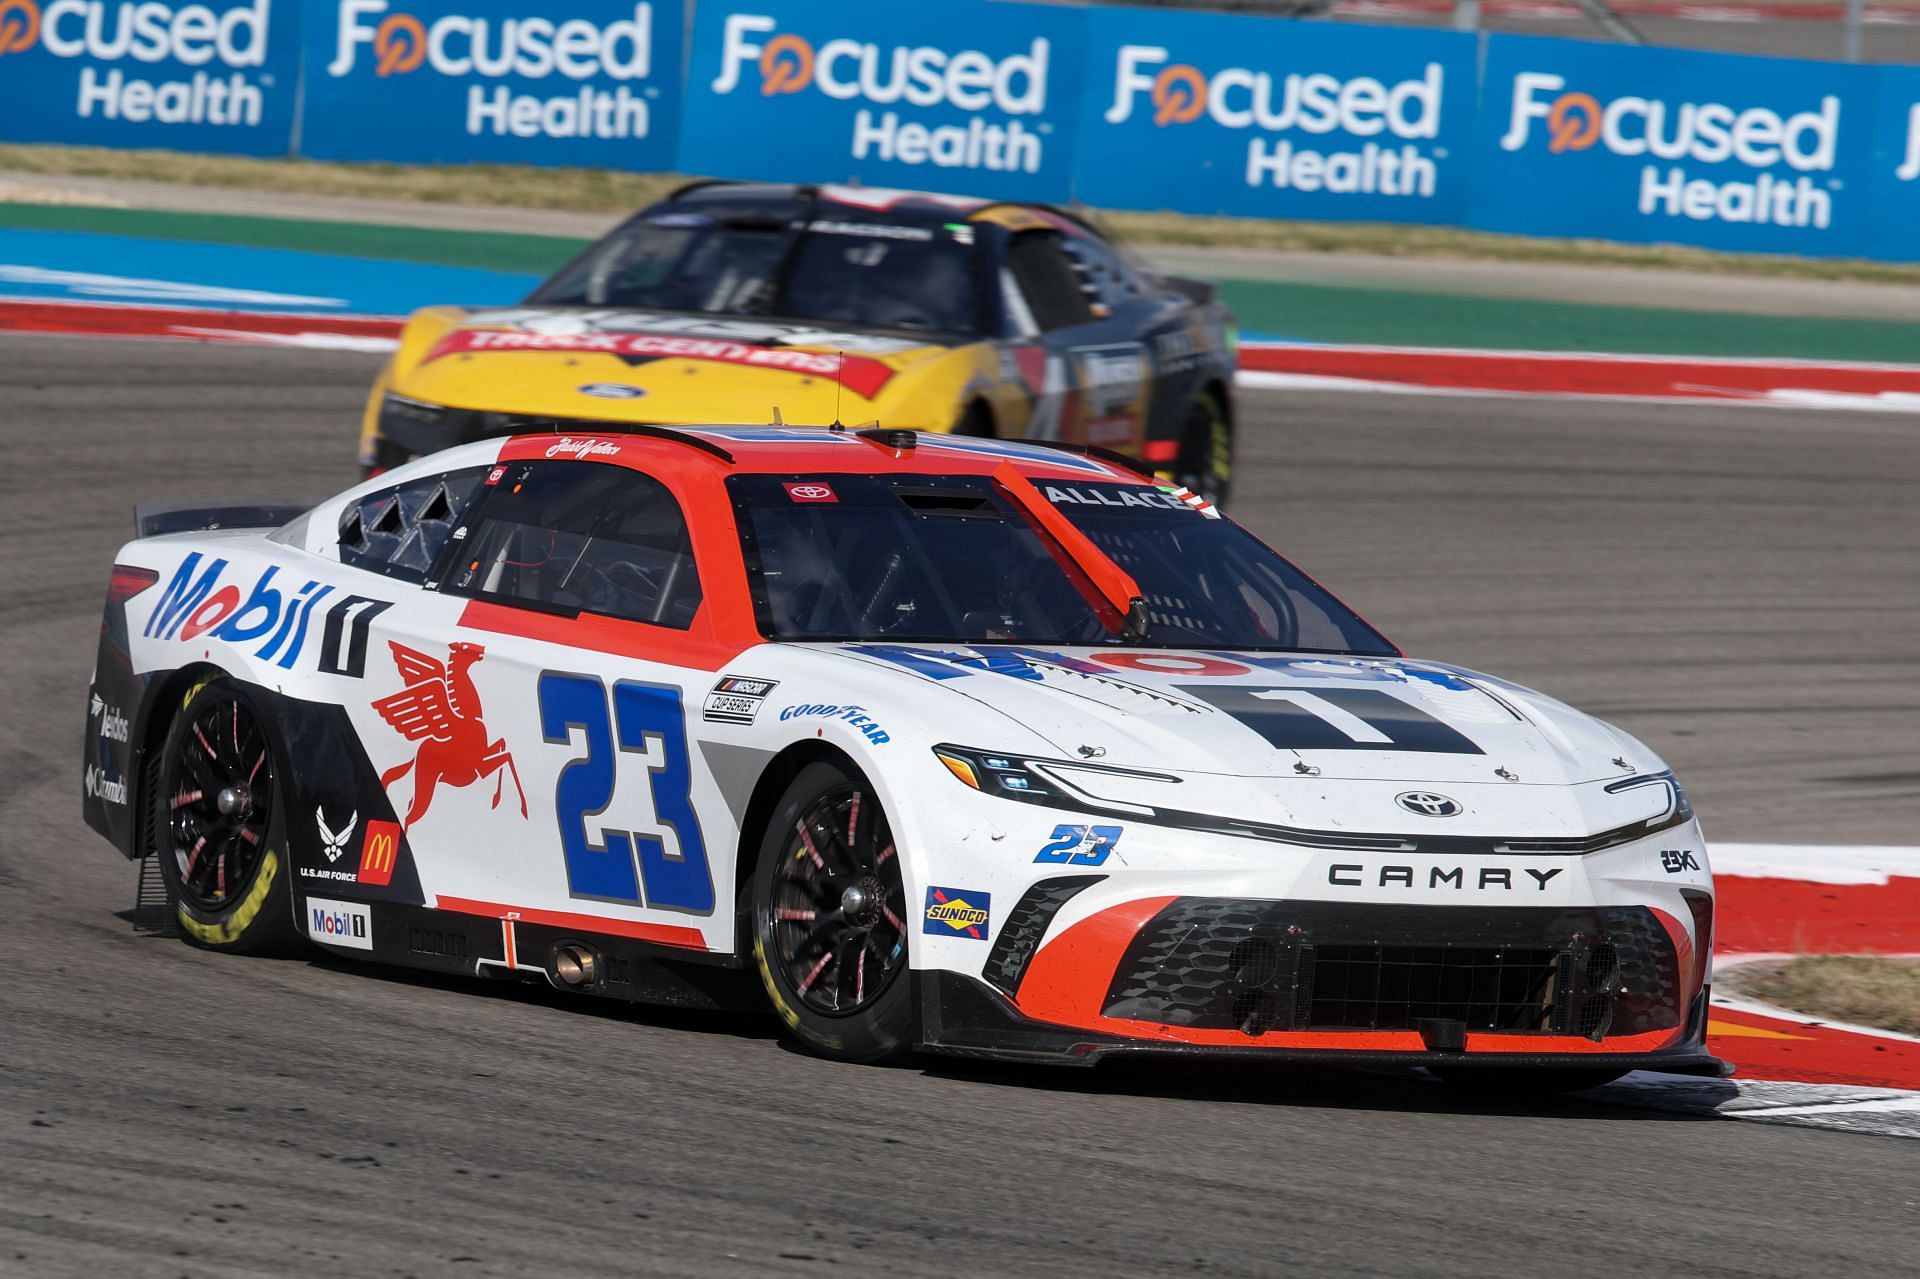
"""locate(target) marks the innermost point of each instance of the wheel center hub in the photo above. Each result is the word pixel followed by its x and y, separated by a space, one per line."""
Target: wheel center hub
pixel 861 902
pixel 231 800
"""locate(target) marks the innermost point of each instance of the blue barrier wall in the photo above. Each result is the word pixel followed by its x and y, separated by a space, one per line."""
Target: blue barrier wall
pixel 527 83
pixel 966 95
pixel 1119 107
pixel 218 75
pixel 1211 113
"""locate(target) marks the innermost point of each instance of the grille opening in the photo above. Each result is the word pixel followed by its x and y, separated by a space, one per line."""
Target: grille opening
pixel 1378 987
pixel 1596 1014
pixel 1255 961
pixel 1255 1012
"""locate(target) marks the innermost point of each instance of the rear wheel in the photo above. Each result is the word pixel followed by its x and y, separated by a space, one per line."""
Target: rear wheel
pixel 218 829
pixel 1205 461
pixel 975 422
pixel 830 919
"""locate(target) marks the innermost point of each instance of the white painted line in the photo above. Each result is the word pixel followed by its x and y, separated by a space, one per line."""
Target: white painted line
pixel 1816 863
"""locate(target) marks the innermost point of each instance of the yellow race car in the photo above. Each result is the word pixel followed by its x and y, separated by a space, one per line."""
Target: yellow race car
pixel 735 302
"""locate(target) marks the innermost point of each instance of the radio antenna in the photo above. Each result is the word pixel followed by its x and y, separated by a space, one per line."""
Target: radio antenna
pixel 839 366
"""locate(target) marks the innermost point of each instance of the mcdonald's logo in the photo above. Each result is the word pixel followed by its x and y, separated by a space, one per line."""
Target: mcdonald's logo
pixel 379 853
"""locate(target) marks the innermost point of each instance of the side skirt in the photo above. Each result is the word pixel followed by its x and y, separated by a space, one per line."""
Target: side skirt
pixel 618 967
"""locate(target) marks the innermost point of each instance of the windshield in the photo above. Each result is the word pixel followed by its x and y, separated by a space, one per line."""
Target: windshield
pixel 935 558
pixel 872 275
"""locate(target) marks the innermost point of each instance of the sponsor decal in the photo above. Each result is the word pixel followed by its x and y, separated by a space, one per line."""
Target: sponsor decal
pixel 113 725
pixel 736 699
pixel 872 230
pixel 859 374
pixel 612 390
pixel 897 88
pixel 810 492
pixel 439 707
pixel 854 715
pixel 1505 878
pixel 580 450
pixel 333 923
pixel 1114 381
pixel 106 788
pixel 1427 804
pixel 1080 845
pixel 494 476
pixel 1804 143
pixel 197 601
pixel 332 842
pixel 221 44
pixel 378 853
pixel 530 48
pixel 954 912
pixel 1676 860
pixel 1304 105
pixel 1149 498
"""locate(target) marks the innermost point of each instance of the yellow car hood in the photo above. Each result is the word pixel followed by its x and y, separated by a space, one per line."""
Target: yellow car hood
pixel 667 367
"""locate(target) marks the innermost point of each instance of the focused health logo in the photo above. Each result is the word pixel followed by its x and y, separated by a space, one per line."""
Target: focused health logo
pixel 528 47
pixel 1313 103
pixel 1703 133
pixel 149 32
pixel 924 76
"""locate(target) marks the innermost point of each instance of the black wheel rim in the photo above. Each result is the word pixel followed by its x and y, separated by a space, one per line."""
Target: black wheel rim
pixel 1205 454
pixel 839 912
pixel 219 800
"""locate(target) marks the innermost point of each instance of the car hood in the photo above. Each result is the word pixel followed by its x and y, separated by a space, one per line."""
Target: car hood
pixel 651 366
pixel 1271 715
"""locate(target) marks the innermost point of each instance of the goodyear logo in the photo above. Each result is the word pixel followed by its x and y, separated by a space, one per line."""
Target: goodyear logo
pixel 954 912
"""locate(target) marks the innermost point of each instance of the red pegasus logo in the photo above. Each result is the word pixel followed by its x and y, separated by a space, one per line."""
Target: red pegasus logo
pixel 440 709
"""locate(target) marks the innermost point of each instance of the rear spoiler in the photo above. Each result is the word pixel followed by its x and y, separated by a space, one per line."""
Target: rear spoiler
pixel 1199 292
pixel 153 519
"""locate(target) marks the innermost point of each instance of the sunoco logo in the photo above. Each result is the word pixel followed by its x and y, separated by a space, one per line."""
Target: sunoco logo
pixel 923 76
pixel 1574 120
pixel 531 47
pixel 150 31
pixel 1312 103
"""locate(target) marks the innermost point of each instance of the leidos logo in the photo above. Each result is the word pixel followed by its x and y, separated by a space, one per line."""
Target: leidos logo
pixel 1304 102
pixel 149 31
pixel 19 25
pixel 1702 132
pixel 925 76
pixel 530 48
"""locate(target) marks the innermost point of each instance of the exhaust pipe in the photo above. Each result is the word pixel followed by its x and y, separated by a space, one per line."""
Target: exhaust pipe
pixel 575 965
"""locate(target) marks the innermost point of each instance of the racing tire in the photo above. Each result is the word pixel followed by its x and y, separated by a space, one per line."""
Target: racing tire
pixel 1205 461
pixel 218 825
pixel 1525 1085
pixel 830 919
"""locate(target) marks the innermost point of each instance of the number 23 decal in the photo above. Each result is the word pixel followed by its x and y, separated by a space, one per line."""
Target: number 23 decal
pixel 646 720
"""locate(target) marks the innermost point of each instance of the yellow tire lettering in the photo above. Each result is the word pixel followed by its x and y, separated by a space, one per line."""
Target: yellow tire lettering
pixel 234 926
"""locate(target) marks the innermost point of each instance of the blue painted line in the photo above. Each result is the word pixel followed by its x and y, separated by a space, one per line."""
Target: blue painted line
pixel 73 266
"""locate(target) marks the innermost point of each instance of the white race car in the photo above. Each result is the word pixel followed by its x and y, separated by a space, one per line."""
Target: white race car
pixel 933 742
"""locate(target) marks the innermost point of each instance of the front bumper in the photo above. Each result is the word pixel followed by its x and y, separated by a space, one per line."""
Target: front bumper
pixel 1565 985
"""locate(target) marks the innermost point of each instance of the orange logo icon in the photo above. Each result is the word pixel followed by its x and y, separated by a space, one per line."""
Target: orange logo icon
pixel 1574 122
pixel 786 65
pixel 1179 95
pixel 379 853
pixel 400 43
pixel 19 25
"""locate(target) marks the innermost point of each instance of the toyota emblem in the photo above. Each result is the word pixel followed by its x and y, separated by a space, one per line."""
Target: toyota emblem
pixel 1428 804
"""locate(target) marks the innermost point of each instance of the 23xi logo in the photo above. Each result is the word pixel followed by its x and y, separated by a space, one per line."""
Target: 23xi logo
pixel 440 709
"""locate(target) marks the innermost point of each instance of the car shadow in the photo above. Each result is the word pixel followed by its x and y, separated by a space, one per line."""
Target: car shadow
pixel 1331 1087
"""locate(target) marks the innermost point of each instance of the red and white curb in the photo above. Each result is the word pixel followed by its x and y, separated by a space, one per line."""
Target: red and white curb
pixel 1406 370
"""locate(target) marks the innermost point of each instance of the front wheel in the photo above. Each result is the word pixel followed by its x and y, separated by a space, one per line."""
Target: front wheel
pixel 830 919
pixel 1205 461
pixel 218 830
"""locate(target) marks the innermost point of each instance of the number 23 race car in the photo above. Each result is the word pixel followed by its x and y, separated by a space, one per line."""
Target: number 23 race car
pixel 930 742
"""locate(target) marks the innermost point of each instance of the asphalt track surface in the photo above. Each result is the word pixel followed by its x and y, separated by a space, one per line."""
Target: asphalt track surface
pixel 1738 586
